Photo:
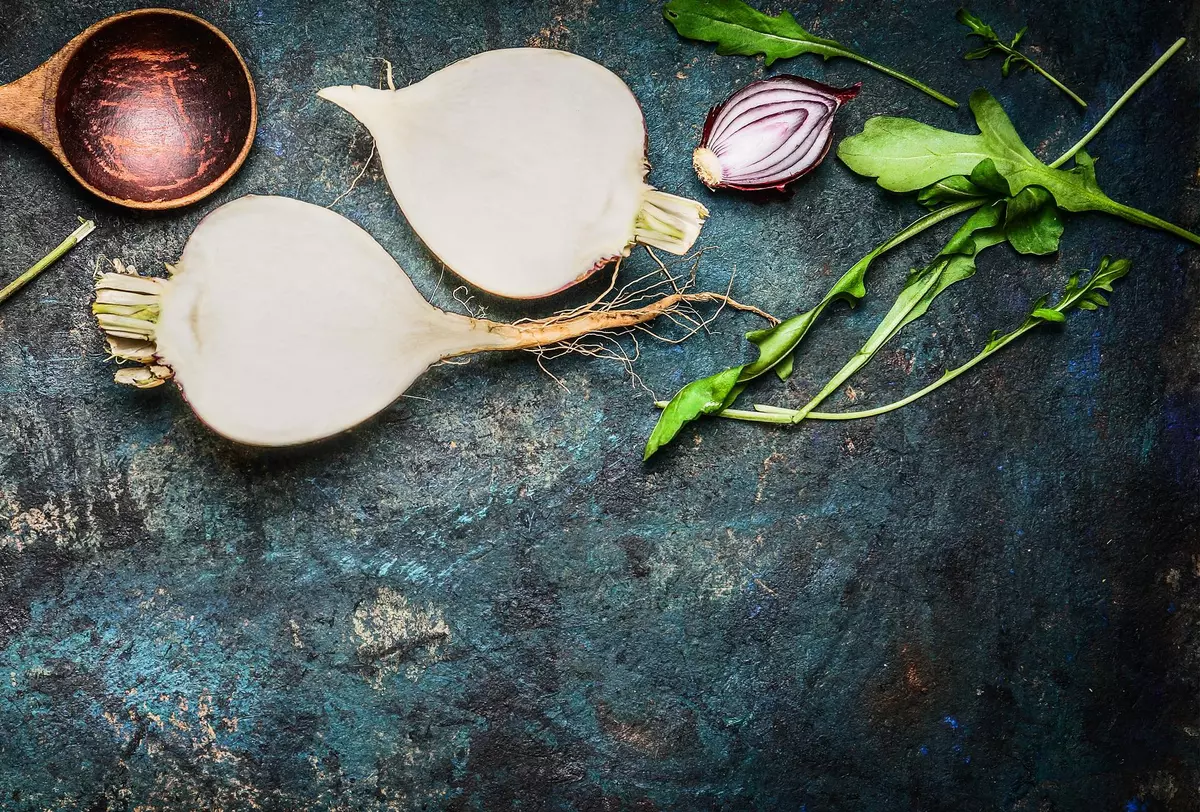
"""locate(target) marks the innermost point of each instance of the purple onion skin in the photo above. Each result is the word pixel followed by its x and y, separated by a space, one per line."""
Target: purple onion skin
pixel 769 133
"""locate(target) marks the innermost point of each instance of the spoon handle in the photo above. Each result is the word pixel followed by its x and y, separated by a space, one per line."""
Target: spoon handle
pixel 26 107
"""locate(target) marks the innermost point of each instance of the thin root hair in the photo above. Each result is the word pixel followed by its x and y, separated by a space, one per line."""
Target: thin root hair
pixel 371 157
pixel 475 311
pixel 684 315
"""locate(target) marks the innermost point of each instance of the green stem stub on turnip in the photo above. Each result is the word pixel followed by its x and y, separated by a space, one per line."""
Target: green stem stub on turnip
pixel 522 169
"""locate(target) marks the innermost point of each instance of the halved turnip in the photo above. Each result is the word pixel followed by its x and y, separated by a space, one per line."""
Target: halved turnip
pixel 284 323
pixel 523 169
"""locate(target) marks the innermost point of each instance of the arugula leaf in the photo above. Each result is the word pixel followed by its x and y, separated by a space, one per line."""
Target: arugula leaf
pixel 991 225
pixel 955 263
pixel 1043 313
pixel 716 393
pixel 777 344
pixel 1031 222
pixel 985 176
pixel 949 190
pixel 705 396
pixel 978 27
pixel 739 29
pixel 1012 57
pixel 907 156
pixel 1085 296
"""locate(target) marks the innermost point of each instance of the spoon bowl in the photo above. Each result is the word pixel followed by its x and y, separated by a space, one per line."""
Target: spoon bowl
pixel 150 109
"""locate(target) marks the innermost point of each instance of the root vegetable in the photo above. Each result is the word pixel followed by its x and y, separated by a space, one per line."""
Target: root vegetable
pixel 522 169
pixel 285 323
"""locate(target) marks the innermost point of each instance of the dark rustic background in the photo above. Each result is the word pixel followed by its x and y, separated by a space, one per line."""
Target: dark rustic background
pixel 484 600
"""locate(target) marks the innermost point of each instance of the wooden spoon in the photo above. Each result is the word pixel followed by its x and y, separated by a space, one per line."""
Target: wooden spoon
pixel 150 109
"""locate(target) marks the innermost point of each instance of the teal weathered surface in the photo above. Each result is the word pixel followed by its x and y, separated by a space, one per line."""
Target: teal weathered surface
pixel 484 600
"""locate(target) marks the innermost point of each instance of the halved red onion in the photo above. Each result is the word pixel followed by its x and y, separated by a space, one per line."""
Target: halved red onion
pixel 769 133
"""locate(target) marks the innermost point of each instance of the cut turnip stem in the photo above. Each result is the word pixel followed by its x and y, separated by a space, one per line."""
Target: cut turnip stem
pixel 769 133
pixel 285 323
pixel 523 170
pixel 77 236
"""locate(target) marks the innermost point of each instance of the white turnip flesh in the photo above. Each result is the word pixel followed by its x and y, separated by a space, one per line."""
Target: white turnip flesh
pixel 523 170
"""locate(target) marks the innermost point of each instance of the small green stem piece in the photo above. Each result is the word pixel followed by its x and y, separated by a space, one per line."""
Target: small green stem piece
pixel 86 227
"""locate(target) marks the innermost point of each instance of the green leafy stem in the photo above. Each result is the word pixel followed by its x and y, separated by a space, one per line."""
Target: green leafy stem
pixel 739 29
pixel 1082 295
pixel 904 155
pixel 1012 57
pixel 714 394
pixel 1119 103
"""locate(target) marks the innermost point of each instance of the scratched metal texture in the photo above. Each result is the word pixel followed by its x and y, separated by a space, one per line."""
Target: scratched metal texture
pixel 484 600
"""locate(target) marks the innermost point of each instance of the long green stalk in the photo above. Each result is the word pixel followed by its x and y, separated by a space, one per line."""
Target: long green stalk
pixel 1126 96
pixel 1149 220
pixel 895 74
pixel 86 227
